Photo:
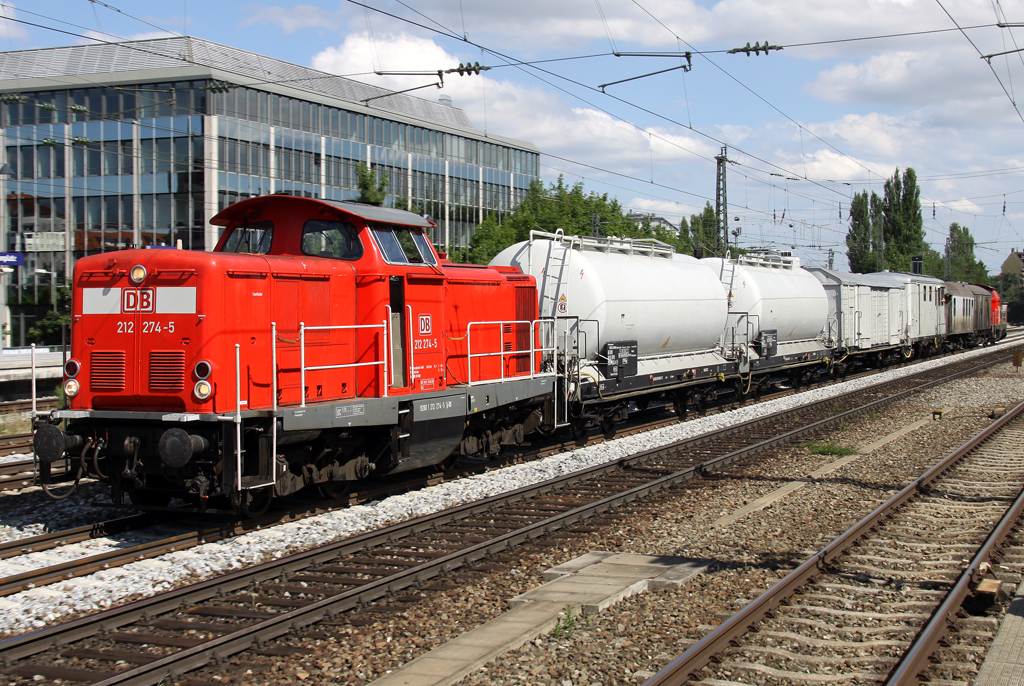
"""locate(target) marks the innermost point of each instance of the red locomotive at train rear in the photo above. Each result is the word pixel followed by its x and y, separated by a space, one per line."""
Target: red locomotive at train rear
pixel 320 342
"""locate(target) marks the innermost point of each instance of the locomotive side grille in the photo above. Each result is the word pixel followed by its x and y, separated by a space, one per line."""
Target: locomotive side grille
pixel 526 301
pixel 166 371
pixel 106 371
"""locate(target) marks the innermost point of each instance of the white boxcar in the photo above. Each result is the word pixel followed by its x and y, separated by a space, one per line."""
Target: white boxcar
pixel 638 290
pixel 769 292
pixel 924 314
pixel 864 312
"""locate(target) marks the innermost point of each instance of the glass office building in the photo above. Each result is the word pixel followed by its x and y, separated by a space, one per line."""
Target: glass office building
pixel 142 142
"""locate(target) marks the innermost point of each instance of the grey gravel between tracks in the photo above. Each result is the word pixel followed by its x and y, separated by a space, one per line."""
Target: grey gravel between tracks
pixel 630 642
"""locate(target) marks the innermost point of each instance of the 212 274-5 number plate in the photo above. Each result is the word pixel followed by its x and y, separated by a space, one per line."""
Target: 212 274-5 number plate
pixel 146 327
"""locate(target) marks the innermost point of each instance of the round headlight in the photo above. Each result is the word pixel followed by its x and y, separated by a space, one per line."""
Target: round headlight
pixel 203 389
pixel 137 274
pixel 72 367
pixel 203 369
pixel 71 388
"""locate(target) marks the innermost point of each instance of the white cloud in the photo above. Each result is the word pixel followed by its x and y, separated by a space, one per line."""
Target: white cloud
pixel 296 18
pixel 907 78
pixel 97 36
pixel 513 110
pixel 9 29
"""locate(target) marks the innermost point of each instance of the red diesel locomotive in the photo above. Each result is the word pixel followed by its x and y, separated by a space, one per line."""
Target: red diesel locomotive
pixel 318 343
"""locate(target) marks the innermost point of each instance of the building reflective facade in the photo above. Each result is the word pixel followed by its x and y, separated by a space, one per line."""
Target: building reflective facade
pixel 112 146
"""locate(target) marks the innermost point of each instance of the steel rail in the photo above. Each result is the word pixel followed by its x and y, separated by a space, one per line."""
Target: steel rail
pixel 35 642
pixel 52 539
pixel 704 651
pixel 917 658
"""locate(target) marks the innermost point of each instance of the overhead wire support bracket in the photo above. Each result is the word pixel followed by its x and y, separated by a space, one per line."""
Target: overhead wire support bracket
pixel 462 70
pixel 439 84
pixel 685 67
pixel 988 58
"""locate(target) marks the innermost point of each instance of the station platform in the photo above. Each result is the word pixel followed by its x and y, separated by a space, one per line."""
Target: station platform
pixel 16 372
pixel 1004 663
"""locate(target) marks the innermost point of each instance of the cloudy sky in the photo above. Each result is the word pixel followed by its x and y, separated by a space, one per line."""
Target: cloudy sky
pixel 862 87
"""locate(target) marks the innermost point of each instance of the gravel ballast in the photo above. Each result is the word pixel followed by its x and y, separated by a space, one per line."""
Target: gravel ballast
pixel 39 607
pixel 631 641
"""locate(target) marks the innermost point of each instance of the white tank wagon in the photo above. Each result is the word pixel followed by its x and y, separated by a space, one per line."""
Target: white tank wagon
pixel 623 290
pixel 637 318
pixel 777 311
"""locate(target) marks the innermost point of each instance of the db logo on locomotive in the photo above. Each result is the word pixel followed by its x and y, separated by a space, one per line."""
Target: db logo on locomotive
pixel 137 300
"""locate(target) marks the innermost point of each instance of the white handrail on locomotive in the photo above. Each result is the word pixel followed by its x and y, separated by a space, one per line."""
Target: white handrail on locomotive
pixel 412 350
pixel 535 332
pixel 33 377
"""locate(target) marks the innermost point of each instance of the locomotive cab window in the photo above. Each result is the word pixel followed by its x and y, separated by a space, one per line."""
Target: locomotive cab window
pixel 402 244
pixel 335 239
pixel 252 238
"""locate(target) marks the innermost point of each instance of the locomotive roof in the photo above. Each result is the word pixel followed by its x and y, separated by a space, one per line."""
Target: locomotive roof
pixel 388 215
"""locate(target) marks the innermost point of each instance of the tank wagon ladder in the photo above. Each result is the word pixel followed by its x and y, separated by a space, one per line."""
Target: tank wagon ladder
pixel 562 284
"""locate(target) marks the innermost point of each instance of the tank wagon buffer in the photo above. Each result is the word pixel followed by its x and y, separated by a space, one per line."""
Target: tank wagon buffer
pixel 319 343
pixel 637 322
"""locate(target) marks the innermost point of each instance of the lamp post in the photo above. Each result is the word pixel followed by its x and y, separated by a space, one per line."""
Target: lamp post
pixel 5 315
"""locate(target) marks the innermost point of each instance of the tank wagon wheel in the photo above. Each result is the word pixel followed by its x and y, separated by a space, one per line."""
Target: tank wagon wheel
pixel 578 430
pixel 253 503
pixel 679 405
pixel 608 428
pixel 741 393
pixel 332 490
pixel 149 498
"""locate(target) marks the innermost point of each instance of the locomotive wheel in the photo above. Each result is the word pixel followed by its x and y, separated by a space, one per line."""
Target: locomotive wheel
pixel 608 428
pixel 252 504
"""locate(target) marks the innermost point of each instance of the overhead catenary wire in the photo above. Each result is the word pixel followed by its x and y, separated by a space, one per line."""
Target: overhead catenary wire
pixel 746 177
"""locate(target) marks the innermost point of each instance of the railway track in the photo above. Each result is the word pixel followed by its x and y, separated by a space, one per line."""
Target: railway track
pixel 873 605
pixel 193 532
pixel 372 572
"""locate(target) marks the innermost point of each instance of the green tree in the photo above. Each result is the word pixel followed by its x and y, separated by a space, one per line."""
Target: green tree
pixel 559 206
pixel 371 189
pixel 961 263
pixel 888 232
pixel 864 236
pixel 902 224
pixel 47 331
pixel 703 231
